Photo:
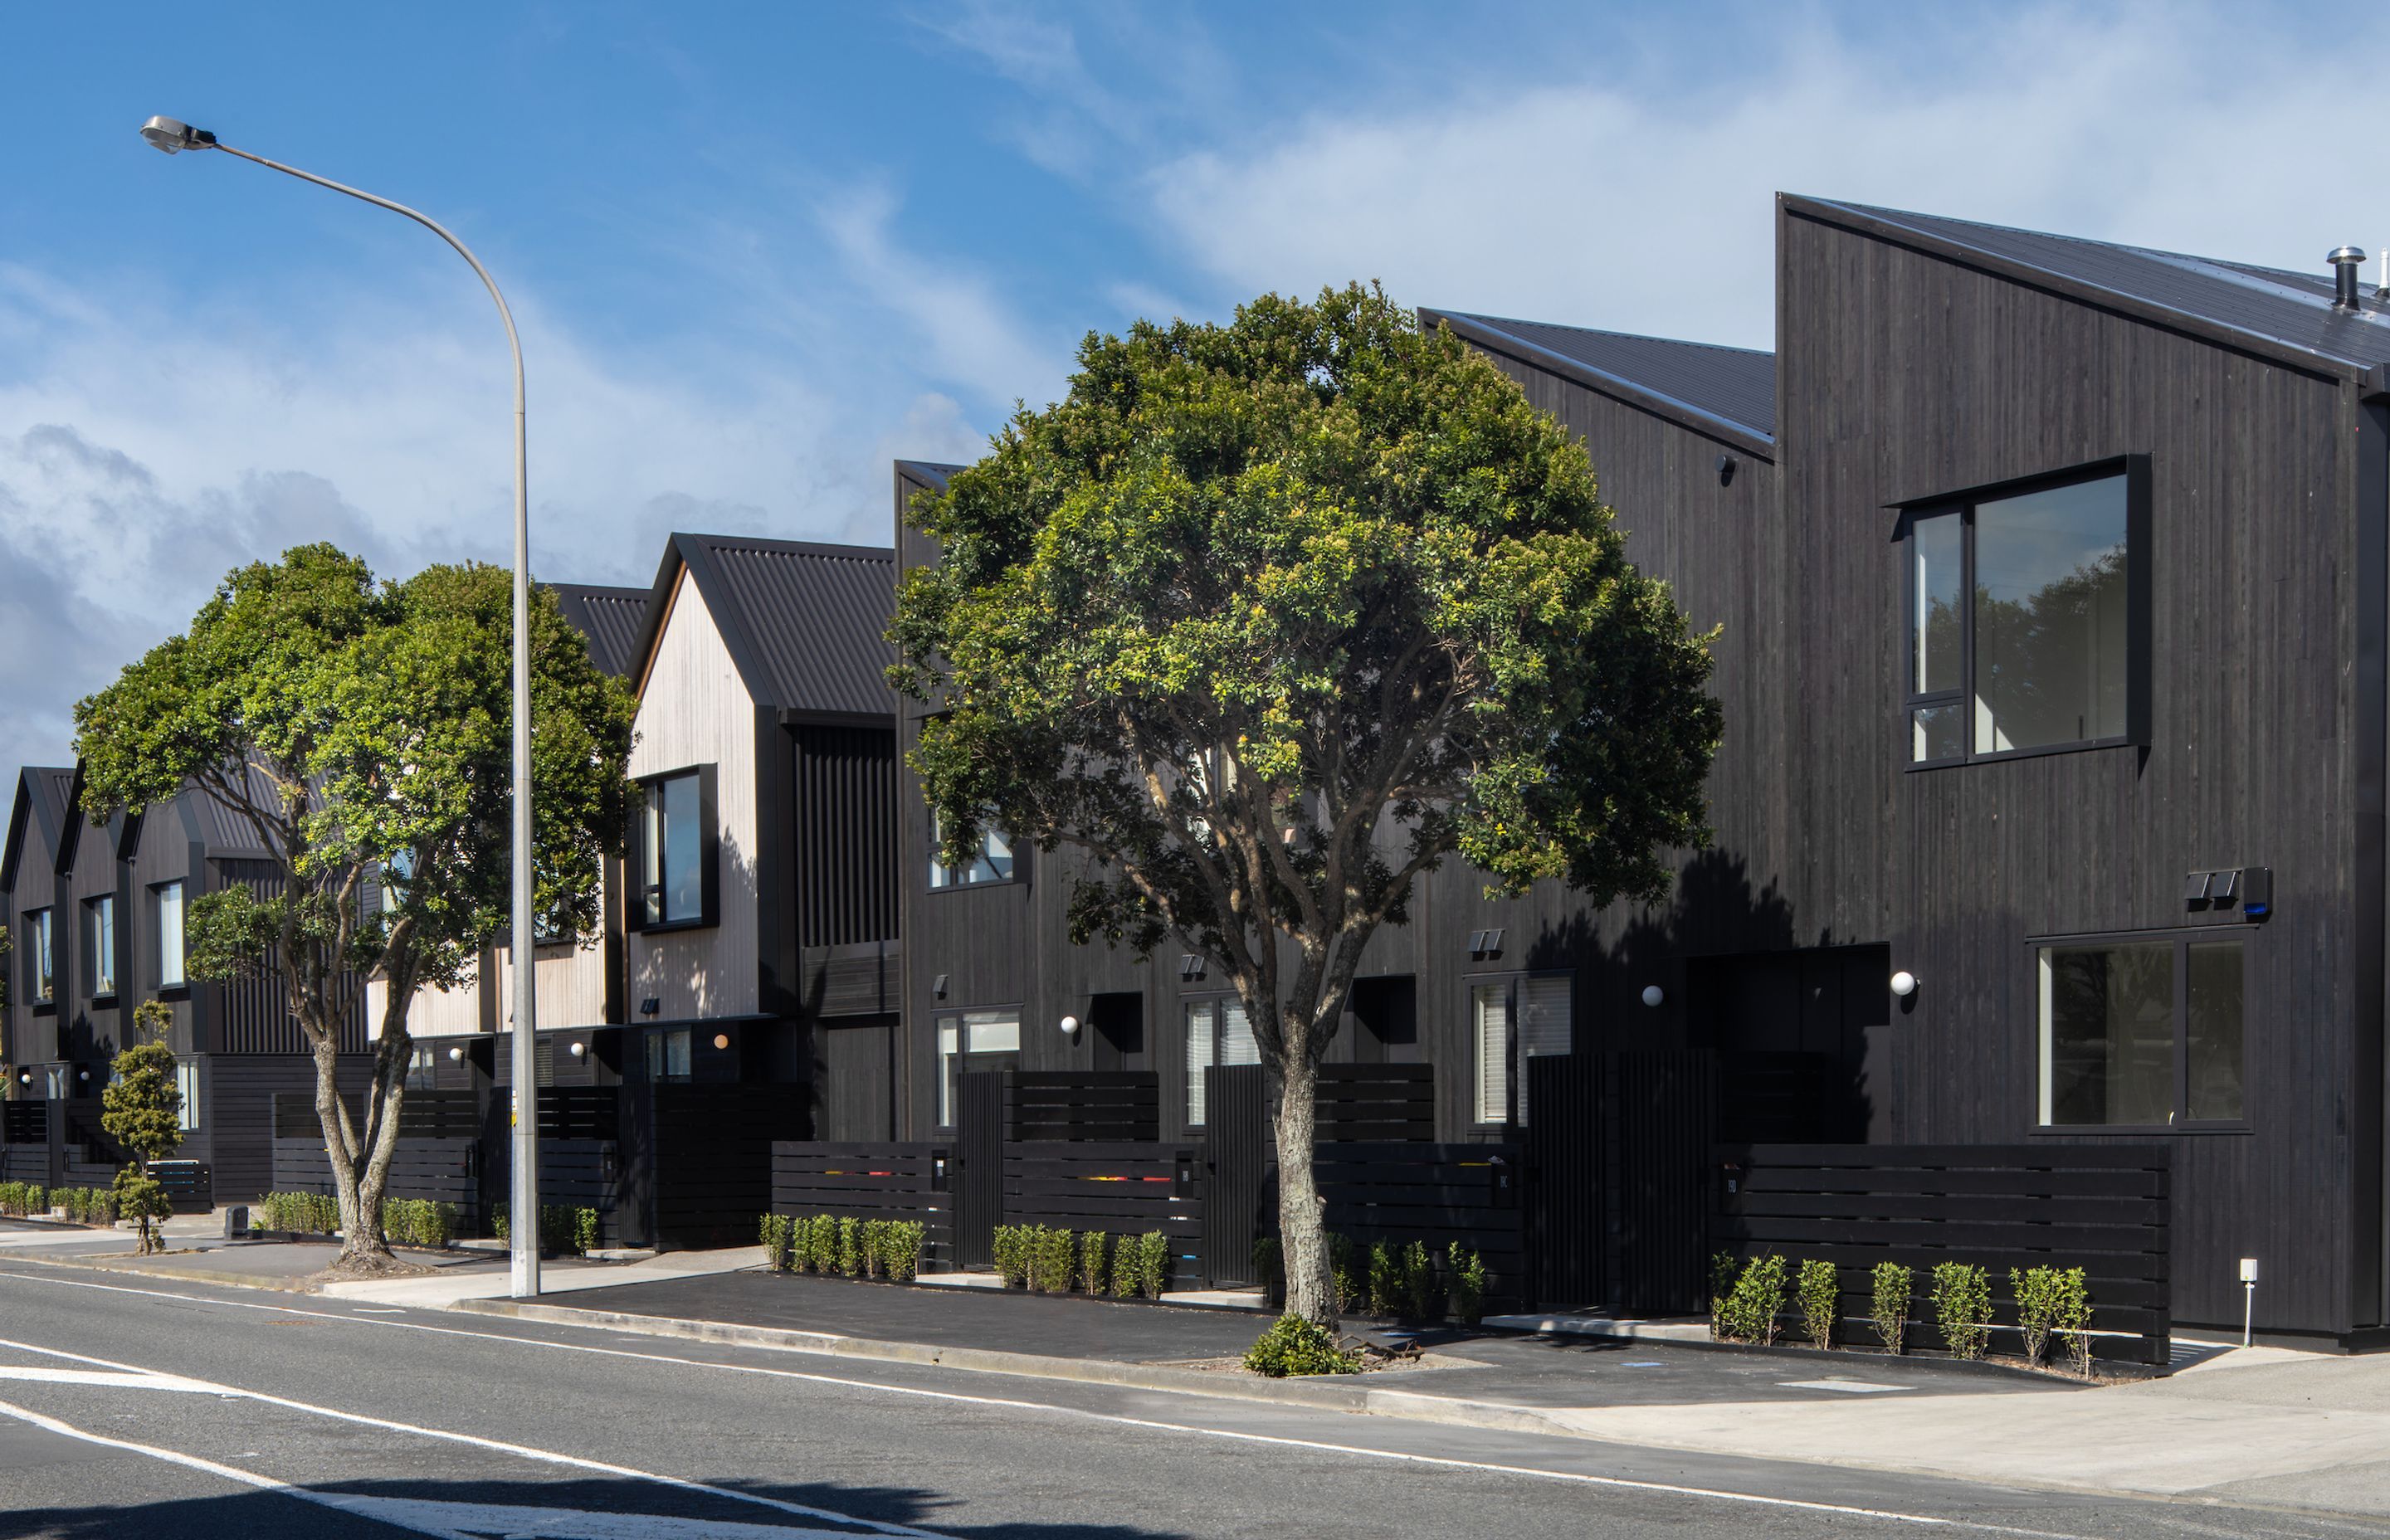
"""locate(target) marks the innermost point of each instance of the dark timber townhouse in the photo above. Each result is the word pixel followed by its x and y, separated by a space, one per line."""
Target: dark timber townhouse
pixel 2051 585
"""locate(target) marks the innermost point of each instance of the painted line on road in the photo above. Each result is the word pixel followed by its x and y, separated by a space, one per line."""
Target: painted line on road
pixel 1894 1516
pixel 452 1521
pixel 521 1451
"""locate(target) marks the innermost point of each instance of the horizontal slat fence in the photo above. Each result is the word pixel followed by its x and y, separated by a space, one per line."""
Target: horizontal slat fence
pixel 1403 1191
pixel 870 1181
pixel 25 1122
pixel 2104 1207
pixel 294 1116
pixel 1124 1188
pixel 1374 1103
pixel 1107 1106
pixel 713 1157
pixel 580 1112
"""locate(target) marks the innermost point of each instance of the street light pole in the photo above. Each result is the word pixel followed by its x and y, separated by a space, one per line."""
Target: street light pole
pixel 171 136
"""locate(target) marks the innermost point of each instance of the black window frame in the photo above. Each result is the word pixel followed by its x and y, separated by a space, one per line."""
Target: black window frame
pixel 1212 1000
pixel 89 952
pixel 709 857
pixel 1514 1057
pixel 957 880
pixel 2134 470
pixel 176 987
pixel 2182 937
pixel 44 960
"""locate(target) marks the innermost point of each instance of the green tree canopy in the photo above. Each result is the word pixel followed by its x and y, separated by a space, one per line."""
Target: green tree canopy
pixel 1263 621
pixel 363 730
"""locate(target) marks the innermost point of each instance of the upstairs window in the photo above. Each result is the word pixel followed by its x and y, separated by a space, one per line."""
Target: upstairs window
pixel 2027 617
pixel 166 913
pixel 41 978
pixel 991 861
pixel 99 942
pixel 677 848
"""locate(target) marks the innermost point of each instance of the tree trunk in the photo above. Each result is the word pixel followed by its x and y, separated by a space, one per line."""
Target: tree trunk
pixel 359 1181
pixel 1302 1239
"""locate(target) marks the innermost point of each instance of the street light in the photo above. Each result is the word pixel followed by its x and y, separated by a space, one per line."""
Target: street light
pixel 173 137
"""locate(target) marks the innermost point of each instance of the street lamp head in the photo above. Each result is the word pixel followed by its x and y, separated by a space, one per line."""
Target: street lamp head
pixel 173 136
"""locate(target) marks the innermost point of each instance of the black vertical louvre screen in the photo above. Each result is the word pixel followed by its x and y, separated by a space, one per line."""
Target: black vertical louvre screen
pixel 1567 1169
pixel 1237 1152
pixel 979 1179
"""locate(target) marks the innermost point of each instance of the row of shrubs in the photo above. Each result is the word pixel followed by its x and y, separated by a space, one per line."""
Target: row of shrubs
pixel 887 1248
pixel 1055 1261
pixel 567 1231
pixel 2053 1305
pixel 1382 1279
pixel 84 1205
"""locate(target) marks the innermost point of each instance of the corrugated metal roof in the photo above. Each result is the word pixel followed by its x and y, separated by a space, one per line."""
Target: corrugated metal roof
pixel 1735 385
pixel 2292 309
pixel 807 622
pixel 226 829
pixel 611 619
pixel 930 473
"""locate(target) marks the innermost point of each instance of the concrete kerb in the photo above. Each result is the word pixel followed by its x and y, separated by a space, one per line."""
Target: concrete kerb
pixel 158 1267
pixel 1339 1395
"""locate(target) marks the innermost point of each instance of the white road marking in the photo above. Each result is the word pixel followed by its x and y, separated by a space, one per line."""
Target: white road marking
pixel 1848 1387
pixel 453 1520
pixel 143 1381
pixel 1924 1520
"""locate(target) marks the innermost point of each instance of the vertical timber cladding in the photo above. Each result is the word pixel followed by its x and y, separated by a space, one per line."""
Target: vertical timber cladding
pixel 846 834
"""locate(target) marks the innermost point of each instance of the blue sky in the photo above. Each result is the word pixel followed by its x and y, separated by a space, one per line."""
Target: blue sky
pixel 758 251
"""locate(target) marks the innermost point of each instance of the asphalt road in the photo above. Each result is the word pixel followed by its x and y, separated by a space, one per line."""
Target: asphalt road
pixel 139 1408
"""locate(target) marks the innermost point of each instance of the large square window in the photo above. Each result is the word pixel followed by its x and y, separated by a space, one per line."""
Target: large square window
pixel 166 915
pixel 675 845
pixel 99 942
pixel 1219 1031
pixel 990 860
pixel 2142 1031
pixel 2022 619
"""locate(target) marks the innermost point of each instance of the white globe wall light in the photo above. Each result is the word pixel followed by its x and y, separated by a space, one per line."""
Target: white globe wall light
pixel 1652 995
pixel 1070 1026
pixel 1904 984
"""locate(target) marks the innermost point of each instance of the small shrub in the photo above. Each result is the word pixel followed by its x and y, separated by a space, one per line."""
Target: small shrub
pixel 1055 1251
pixel 418 1222
pixel 872 1238
pixel 1468 1284
pixel 314 1214
pixel 900 1250
pixel 2036 1302
pixel 1722 1272
pixel 1094 1262
pixel 1348 1274
pixel 142 1197
pixel 1293 1346
pixel 1421 1294
pixel 1890 1312
pixel 2071 1318
pixel 1153 1264
pixel 585 1230
pixel 772 1234
pixel 850 1248
pixel 1963 1305
pixel 1269 1270
pixel 821 1244
pixel 1819 1289
pixel 1012 1255
pixel 1385 1279
pixel 1752 1310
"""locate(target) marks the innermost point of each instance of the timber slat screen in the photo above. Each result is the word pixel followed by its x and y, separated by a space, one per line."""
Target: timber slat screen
pixel 442 1167
pixel 1242 1205
pixel 979 1166
pixel 713 1157
pixel 1778 1098
pixel 1374 1103
pixel 1125 1188
pixel 294 1116
pixel 579 1112
pixel 2102 1208
pixel 98 1146
pixel 910 1181
pixel 1403 1191
pixel 1109 1106
pixel 440 1115
pixel 1568 1177
pixel 26 1121
pixel 188 1182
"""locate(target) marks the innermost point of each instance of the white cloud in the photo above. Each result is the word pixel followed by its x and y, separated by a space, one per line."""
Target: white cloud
pixel 1605 204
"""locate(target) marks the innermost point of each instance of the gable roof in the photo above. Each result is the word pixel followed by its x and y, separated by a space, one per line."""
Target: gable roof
pixel 805 623
pixel 610 619
pixel 930 473
pixel 2286 315
pixel 40 809
pixel 1726 393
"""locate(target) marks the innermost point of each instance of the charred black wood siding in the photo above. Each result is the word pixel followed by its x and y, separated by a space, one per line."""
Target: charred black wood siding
pixel 846 834
pixel 1905 373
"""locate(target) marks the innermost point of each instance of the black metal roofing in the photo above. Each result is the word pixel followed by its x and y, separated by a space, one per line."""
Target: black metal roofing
pixel 41 812
pixel 611 619
pixel 2291 310
pixel 807 623
pixel 1733 385
pixel 930 473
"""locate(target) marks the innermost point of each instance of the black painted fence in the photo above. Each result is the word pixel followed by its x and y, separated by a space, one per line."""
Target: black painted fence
pixel 1440 1194
pixel 902 1181
pixel 1125 1188
pixel 1104 1106
pixel 2101 1207
pixel 712 1158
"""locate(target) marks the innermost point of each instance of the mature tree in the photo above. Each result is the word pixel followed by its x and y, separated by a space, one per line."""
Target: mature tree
pixel 142 1110
pixel 363 731
pixel 1265 621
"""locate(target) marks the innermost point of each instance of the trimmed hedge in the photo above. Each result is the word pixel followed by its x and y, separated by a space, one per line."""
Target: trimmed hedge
pixel 888 1248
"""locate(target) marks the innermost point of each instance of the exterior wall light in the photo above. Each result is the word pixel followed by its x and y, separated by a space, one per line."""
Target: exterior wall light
pixel 1904 984
pixel 1652 995
pixel 457 1054
pixel 83 1075
pixel 580 1049
pixel 722 1040
pixel 1070 1026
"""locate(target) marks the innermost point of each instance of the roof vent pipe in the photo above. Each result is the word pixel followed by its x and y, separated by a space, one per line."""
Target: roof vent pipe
pixel 2345 261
